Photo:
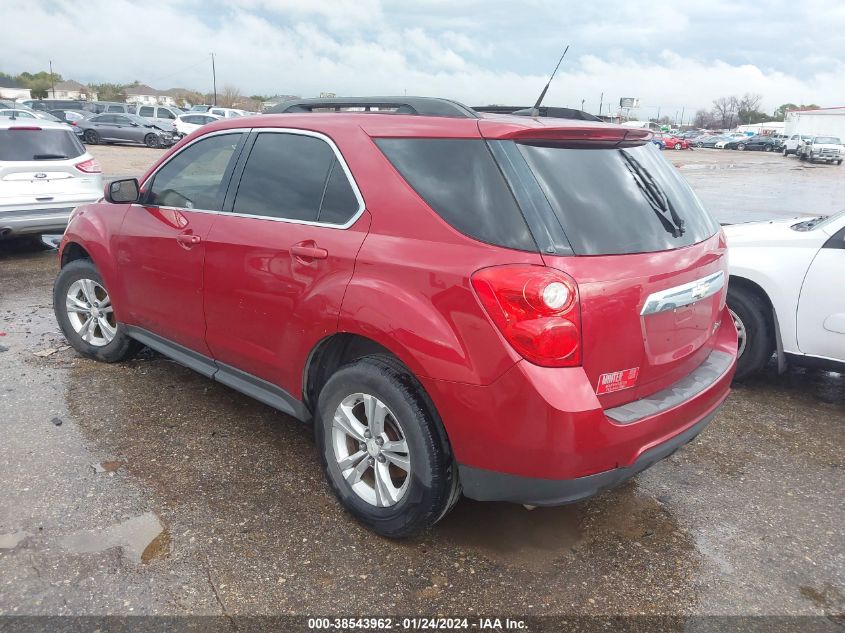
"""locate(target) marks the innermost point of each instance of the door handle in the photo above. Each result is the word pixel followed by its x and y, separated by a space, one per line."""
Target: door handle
pixel 308 251
pixel 188 240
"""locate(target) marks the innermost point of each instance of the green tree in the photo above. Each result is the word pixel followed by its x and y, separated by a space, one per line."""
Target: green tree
pixel 40 92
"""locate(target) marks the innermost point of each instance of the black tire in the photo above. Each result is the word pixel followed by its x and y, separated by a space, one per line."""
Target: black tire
pixel 767 148
pixel 839 162
pixel 741 147
pixel 151 140
pixel 91 137
pixel 754 314
pixel 785 152
pixel 699 144
pixel 121 346
pixel 802 157
pixel 433 485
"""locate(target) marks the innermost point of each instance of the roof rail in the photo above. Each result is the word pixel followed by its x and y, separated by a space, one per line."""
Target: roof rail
pixel 421 106
pixel 545 111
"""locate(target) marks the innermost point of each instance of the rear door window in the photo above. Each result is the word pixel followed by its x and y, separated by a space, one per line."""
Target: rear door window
pixel 461 182
pixel 29 145
pixel 164 113
pixel 615 201
pixel 295 177
pixel 147 111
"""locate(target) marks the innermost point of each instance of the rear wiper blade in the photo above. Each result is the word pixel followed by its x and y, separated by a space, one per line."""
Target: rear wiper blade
pixel 655 196
pixel 49 156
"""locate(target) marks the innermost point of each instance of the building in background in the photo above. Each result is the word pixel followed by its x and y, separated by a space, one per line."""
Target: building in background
pixel 145 95
pixel 72 91
pixel 12 90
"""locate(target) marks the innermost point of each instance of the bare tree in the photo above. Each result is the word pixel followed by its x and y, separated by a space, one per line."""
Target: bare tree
pixel 703 119
pixel 725 110
pixel 748 107
pixel 229 97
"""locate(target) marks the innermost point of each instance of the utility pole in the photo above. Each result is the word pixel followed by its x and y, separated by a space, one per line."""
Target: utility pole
pixel 582 105
pixel 682 115
pixel 214 78
pixel 52 81
pixel 601 103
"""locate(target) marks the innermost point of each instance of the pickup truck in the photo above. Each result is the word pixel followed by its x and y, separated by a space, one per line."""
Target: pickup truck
pixel 826 148
pixel 791 144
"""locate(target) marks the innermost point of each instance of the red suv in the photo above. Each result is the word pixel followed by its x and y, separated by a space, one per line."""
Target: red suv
pixel 515 308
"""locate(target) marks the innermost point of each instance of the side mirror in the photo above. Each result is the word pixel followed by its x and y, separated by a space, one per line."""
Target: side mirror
pixel 123 191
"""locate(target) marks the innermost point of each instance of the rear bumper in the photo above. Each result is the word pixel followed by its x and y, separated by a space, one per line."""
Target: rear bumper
pixel 486 485
pixel 35 221
pixel 540 435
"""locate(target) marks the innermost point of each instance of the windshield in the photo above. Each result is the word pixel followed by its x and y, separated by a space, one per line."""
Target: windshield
pixel 827 140
pixel 29 145
pixel 616 201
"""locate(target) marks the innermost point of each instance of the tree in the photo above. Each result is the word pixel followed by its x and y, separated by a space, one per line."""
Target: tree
pixel 725 110
pixel 41 92
pixel 703 119
pixel 108 92
pixel 748 109
pixel 229 97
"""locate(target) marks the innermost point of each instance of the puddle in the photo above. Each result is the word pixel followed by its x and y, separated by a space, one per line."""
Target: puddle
pixel 510 533
pixel 12 540
pixel 141 538
pixel 107 466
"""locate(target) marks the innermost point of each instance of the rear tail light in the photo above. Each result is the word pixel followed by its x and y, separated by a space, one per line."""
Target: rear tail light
pixel 537 310
pixel 26 128
pixel 90 166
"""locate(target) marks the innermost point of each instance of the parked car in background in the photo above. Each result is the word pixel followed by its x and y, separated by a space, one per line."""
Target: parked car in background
pixel 200 108
pixel 280 278
pixel 227 113
pixel 70 116
pixel 785 292
pixel 827 149
pixel 115 107
pixel 791 145
pixel 671 141
pixel 762 143
pixel 44 173
pixel 45 105
pixel 123 128
pixel 189 122
pixel 659 142
pixel 162 116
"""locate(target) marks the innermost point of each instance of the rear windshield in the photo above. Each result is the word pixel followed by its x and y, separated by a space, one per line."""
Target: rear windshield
pixel 29 145
pixel 616 201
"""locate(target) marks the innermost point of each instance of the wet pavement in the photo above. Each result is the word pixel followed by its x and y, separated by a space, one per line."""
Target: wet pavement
pixel 144 488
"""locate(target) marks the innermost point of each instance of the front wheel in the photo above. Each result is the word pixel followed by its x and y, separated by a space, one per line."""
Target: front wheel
pixel 741 147
pixel 91 137
pixel 839 162
pixel 383 448
pixel 755 340
pixel 151 140
pixel 785 152
pixel 85 314
pixel 677 146
pixel 767 148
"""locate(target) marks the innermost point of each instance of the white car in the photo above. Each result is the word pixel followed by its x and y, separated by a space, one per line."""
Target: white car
pixel 45 172
pixel 227 113
pixel 187 123
pixel 786 292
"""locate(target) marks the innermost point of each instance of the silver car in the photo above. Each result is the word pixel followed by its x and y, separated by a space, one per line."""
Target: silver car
pixel 45 172
pixel 162 116
pixel 123 128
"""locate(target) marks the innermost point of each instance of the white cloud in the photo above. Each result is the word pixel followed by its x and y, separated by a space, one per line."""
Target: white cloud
pixel 476 52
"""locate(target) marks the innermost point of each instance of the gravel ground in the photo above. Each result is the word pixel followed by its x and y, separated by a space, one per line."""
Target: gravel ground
pixel 143 488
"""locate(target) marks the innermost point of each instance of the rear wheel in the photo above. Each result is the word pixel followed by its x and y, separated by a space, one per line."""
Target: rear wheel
pixel 677 146
pixel 91 137
pixel 767 148
pixel 151 140
pixel 741 147
pixel 85 314
pixel 383 448
pixel 755 339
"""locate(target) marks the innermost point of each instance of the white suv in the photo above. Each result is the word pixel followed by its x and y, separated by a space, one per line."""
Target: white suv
pixel 44 173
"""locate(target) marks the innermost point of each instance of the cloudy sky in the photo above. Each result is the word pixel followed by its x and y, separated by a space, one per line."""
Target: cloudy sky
pixel 671 54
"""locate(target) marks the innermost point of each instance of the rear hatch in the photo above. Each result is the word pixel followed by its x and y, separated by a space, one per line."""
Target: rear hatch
pixel 46 167
pixel 649 260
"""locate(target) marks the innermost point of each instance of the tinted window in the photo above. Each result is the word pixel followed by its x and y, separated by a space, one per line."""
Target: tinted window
pixel 459 179
pixel 114 108
pixel 122 120
pixel 165 114
pixel 197 176
pixel 30 145
pixel 285 177
pixel 339 202
pixel 146 111
pixel 612 201
pixel 105 118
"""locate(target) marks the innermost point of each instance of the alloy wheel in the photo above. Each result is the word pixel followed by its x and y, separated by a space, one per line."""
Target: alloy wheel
pixel 741 334
pixel 371 450
pixel 90 312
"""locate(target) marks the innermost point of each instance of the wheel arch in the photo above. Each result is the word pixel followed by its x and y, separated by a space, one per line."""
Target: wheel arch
pixel 754 288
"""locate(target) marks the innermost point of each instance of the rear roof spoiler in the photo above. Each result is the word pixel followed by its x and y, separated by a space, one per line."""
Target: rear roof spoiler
pixel 545 111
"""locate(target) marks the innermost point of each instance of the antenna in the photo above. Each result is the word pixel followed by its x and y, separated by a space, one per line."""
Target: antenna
pixel 535 111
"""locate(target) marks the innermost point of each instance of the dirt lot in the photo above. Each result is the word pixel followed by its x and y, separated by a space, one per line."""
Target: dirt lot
pixel 143 488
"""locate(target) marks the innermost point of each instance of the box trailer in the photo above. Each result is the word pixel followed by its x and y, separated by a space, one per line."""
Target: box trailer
pixel 823 122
